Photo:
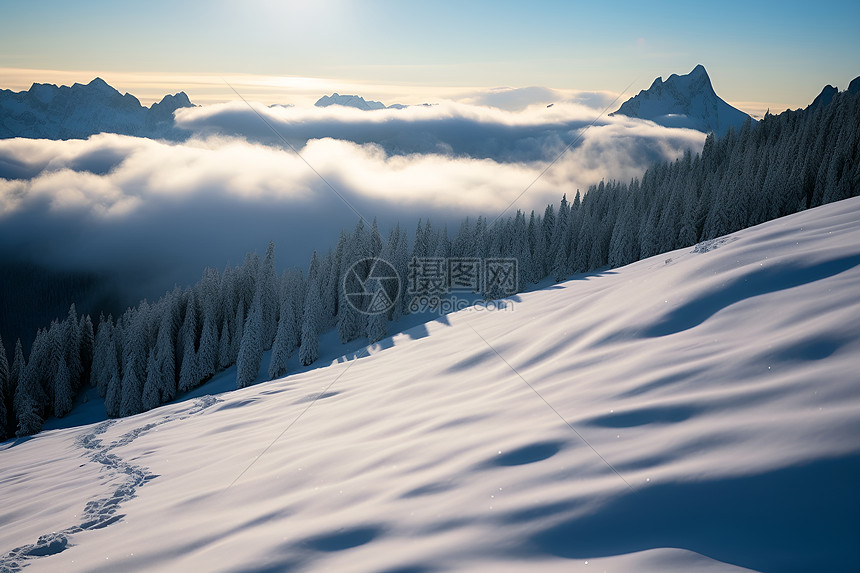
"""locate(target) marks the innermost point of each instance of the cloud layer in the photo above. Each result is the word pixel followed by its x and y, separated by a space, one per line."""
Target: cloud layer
pixel 155 212
pixel 533 133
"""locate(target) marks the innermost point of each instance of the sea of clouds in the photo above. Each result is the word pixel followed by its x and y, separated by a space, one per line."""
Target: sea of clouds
pixel 157 212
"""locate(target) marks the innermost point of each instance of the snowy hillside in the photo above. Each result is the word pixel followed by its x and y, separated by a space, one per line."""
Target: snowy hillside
pixel 46 111
pixel 684 101
pixel 695 411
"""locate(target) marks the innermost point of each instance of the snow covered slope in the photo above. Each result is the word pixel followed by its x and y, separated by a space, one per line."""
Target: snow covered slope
pixel 684 101
pixel 696 411
pixel 46 111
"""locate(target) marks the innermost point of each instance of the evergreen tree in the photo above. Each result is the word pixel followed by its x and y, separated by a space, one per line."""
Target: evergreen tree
pixel 559 266
pixel 152 387
pixel 87 348
pixel 309 350
pixel 4 368
pixel 36 369
pixel 189 371
pixel 251 350
pixel 534 232
pixel 350 323
pixel 3 414
pixel 331 292
pixel 188 330
pixel 207 356
pixel 558 251
pixel 520 251
pixel 377 323
pixel 63 394
pixel 269 300
pixel 16 373
pixel 431 239
pixel 55 352
pixel 29 420
pixel 135 345
pixel 622 245
pixel 72 348
pixel 284 341
pixel 5 391
pixel 548 231
pixel 688 233
pixel 464 242
pixel 375 240
pixel 225 346
pixel 239 321
pixel 99 376
pixel 113 395
pixel 165 355
pixel 419 245
pixel 377 327
pixel 649 240
pixel 111 363
pixel 132 392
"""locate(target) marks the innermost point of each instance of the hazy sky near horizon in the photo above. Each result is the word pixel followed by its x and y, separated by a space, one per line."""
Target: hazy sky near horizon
pixel 777 54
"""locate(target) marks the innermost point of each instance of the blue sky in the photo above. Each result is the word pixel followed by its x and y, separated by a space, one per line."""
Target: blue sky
pixel 776 53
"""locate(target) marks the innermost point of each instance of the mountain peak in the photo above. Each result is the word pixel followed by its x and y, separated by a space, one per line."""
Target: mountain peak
pixel 684 101
pixel 163 110
pixel 47 111
pixel 355 101
pixel 829 93
pixel 100 85
pixel 824 98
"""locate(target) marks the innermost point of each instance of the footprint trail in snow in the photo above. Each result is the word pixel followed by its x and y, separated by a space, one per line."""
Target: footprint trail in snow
pixel 104 511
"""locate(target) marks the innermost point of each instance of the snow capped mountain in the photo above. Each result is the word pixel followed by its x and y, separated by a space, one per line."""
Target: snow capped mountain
pixel 684 101
pixel 697 411
pixel 163 110
pixel 355 101
pixel 47 111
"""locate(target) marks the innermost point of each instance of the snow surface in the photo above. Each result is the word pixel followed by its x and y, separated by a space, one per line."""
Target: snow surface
pixel 717 389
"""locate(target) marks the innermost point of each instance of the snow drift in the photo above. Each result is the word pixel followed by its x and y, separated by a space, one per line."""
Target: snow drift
pixel 695 411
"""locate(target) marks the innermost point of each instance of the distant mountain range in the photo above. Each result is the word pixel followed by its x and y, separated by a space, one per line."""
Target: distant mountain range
pixel 684 101
pixel 355 101
pixel 47 111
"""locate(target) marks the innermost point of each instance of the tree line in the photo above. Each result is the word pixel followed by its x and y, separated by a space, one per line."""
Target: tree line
pixel 155 351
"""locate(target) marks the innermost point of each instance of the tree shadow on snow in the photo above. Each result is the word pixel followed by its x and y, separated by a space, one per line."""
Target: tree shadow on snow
pixel 586 276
